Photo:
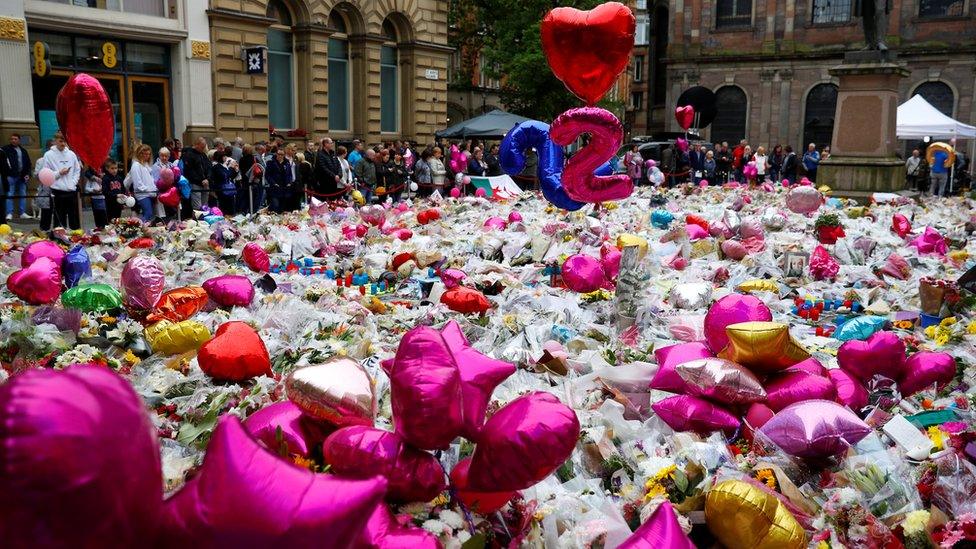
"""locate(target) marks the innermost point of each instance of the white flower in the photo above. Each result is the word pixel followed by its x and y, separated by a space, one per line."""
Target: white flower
pixel 434 526
pixel 452 519
pixel 463 536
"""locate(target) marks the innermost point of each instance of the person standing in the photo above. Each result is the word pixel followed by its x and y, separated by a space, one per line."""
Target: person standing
pixel 811 161
pixel 696 158
pixel 365 172
pixel 311 151
pixel 95 191
pixel 632 163
pixel 938 173
pixel 278 176
pixel 43 198
pixel 4 176
pixel 423 174
pixel 237 149
pixel 113 188
pixel 762 163
pixel 222 176
pixel 64 192
pixel 357 153
pixel 708 168
pixel 913 167
pixel 18 166
pixel 384 173
pixel 476 164
pixel 438 171
pixel 140 181
pixel 163 162
pixel 789 165
pixel 776 163
pixel 328 170
pixel 723 163
pixel 398 176
pixel 343 154
pixel 303 181
pixel 494 163
pixel 196 170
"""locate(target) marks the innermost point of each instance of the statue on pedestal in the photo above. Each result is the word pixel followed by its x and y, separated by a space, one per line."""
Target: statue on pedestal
pixel 874 18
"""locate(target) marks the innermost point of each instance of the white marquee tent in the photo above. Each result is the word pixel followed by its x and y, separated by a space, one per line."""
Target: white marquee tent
pixel 917 119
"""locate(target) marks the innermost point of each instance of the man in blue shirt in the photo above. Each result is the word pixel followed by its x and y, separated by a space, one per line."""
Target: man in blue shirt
pixel 938 173
pixel 357 153
pixel 811 161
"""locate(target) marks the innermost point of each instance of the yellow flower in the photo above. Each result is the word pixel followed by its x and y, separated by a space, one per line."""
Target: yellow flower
pixel 767 477
pixel 823 545
pixel 936 436
pixel 654 490
pixel 941 339
pixel 948 321
pixel 971 329
pixel 915 522
pixel 131 358
pixel 930 332
pixel 665 473
pixel 441 499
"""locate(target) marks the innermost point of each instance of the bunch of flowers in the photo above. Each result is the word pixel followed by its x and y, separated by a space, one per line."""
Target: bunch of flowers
pixel 128 227
pixel 682 487
pixel 948 330
pixel 915 530
pixel 845 522
pixel 829 228
pixel 960 531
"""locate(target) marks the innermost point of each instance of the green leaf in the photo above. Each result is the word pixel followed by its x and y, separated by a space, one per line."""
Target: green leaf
pixel 476 541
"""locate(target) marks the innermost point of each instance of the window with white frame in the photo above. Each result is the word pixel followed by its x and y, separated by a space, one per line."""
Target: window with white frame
pixel 642 35
pixel 638 68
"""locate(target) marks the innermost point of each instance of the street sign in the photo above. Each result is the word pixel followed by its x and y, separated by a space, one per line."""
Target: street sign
pixel 255 61
pixel 432 74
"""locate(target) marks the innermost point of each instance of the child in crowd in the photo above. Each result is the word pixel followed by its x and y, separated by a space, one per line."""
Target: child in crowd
pixel 112 188
pixel 93 189
pixel 43 198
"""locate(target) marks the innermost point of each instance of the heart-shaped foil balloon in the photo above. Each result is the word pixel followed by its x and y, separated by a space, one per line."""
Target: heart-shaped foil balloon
pixel 339 391
pixel 85 115
pixel 685 116
pixel 179 304
pixel 41 248
pixel 236 353
pixel 256 258
pixel 230 290
pixel 170 197
pixel 143 281
pixel 587 50
pixel 38 284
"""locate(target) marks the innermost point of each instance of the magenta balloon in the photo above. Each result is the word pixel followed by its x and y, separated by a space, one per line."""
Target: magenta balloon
pixel 695 232
pixel 452 277
pixel 230 290
pixel 246 496
pixel 797 386
pixel 300 433
pixel 930 242
pixel 751 227
pixel 425 390
pixel 822 265
pixel 496 223
pixel 479 377
pixel 815 429
pixel 610 261
pixel 38 284
pixel 47 177
pixel 256 258
pixel 80 461
pixel 667 378
pixel 606 135
pixel 804 200
pixel 514 217
pixel 361 452
pixel 455 192
pixel 143 281
pixel 810 365
pixel 758 414
pixel 166 174
pixel 849 390
pixel 732 309
pixel 881 354
pixel 721 380
pixel 925 368
pixel 383 532
pixel 688 413
pixel 661 530
pixel 523 443
pixel 733 249
pixel 41 248
pixel 583 273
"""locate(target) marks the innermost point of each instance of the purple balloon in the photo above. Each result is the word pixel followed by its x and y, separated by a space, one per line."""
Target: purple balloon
pixel 523 443
pixel 849 390
pixel 479 377
pixel 797 386
pixel 881 354
pixel 299 433
pixel 246 496
pixel 143 281
pixel 732 309
pixel 230 290
pixel 425 390
pixel 583 273
pixel 75 266
pixel 452 277
pixel 383 532
pixel 41 248
pixel 667 378
pixel 361 452
pixel 925 368
pixel 80 461
pixel 815 429
pixel 688 413
pixel 659 531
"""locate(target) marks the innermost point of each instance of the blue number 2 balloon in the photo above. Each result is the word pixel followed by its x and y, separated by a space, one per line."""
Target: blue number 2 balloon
pixel 533 134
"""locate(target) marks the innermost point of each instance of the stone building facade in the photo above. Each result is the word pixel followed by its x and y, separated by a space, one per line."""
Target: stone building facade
pixel 768 61
pixel 372 69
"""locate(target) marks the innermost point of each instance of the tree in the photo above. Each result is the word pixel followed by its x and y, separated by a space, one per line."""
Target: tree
pixel 509 39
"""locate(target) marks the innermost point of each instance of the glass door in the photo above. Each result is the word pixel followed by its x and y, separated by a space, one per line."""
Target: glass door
pixel 45 99
pixel 149 104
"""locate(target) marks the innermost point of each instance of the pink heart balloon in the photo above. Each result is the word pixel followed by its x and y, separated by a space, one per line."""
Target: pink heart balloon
pixel 256 258
pixel 925 368
pixel 80 461
pixel 583 273
pixel 659 531
pixel 797 386
pixel 143 280
pixel 757 415
pixel 41 248
pixel 732 309
pixel 384 532
pixel 667 378
pixel 299 433
pixel 685 116
pixel 688 413
pixel 38 284
pixel 849 390
pixel 479 377
pixel 815 429
pixel 246 496
pixel 230 290
pixel 810 366
pixel 496 223
pixel 881 354
pixel 170 197
pixel 523 443
pixel 361 452
pixel 452 278
pixel 610 257
pixel 425 390
pixel 478 502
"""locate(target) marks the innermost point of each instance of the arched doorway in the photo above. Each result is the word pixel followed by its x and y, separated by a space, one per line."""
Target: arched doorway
pixel 281 67
pixel 939 95
pixel 730 122
pixel 818 118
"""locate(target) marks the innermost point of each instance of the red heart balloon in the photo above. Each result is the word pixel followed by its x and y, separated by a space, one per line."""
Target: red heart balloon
pixel 85 115
pixel 587 50
pixel 479 502
pixel 685 116
pixel 236 353
pixel 170 197
pixel 256 258
pixel 37 284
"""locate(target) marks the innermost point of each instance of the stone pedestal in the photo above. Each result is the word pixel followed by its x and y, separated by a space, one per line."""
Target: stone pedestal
pixel 863 159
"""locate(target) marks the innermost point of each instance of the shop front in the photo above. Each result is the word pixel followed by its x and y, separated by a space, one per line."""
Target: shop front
pixel 135 75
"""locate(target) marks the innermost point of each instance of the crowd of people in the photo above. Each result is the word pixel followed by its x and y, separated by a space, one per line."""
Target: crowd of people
pixel 236 176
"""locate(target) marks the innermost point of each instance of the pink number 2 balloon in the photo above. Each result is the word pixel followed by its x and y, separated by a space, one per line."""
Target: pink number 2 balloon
pixel 607 134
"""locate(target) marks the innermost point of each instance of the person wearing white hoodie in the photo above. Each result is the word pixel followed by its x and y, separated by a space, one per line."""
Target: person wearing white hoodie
pixel 141 182
pixel 64 192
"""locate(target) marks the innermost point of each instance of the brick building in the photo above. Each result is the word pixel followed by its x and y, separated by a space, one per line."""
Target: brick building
pixel 768 61
pixel 374 69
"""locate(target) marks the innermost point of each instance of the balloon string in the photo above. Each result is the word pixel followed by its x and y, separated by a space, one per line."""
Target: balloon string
pixel 454 496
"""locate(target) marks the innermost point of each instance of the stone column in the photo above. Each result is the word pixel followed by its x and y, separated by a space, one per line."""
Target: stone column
pixel 192 83
pixel 16 97
pixel 864 143
pixel 422 102
pixel 312 78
